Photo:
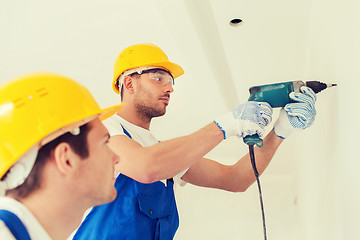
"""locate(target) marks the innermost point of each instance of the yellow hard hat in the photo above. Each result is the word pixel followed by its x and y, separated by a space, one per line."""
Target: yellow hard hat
pixel 140 55
pixel 39 106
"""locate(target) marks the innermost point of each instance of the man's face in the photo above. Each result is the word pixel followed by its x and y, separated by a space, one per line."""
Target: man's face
pixel 151 96
pixel 96 172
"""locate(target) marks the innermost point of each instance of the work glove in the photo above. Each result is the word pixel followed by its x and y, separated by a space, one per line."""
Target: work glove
pixel 246 119
pixel 296 116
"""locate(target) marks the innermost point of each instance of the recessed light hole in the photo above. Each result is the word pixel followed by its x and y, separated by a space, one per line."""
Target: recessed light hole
pixel 235 22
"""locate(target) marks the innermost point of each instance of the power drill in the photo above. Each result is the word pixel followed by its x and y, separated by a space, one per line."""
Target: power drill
pixel 277 95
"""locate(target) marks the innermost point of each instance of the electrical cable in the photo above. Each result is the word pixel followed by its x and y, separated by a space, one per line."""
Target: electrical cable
pixel 252 158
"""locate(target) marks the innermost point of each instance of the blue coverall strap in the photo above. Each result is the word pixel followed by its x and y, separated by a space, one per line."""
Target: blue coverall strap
pixel 125 131
pixel 14 224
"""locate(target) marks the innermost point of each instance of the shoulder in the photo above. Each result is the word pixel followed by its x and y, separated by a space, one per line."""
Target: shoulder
pixel 5 232
pixel 34 228
pixel 113 125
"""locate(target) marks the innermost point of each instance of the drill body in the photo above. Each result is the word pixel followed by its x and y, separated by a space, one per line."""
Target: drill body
pixel 277 95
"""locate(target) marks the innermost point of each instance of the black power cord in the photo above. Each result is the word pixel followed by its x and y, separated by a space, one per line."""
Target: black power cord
pixel 252 158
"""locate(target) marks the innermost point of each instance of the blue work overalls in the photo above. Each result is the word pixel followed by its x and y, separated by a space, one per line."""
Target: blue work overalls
pixel 139 212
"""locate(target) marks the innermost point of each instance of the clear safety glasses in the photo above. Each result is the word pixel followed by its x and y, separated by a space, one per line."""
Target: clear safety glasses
pixel 158 74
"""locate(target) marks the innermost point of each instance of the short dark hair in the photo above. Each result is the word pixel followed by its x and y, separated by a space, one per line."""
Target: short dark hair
pixel 78 144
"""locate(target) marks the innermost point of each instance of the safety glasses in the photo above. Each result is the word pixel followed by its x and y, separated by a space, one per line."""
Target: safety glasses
pixel 158 74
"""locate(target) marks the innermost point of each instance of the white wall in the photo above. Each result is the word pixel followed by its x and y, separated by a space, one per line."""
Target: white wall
pixel 328 165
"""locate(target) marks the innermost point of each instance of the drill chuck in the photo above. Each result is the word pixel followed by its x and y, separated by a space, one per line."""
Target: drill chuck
pixel 317 86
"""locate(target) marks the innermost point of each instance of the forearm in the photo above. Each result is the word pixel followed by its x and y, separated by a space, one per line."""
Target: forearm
pixel 173 156
pixel 168 158
pixel 241 174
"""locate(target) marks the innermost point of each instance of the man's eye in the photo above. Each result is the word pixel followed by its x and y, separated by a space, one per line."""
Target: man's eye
pixel 157 78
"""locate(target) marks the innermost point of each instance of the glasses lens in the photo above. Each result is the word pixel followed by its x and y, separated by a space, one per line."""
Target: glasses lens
pixel 162 76
pixel 158 74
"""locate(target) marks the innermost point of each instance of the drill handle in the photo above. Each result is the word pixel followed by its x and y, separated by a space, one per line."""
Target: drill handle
pixel 253 140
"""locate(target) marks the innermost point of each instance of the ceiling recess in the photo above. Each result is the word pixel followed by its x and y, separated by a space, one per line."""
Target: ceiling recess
pixel 235 22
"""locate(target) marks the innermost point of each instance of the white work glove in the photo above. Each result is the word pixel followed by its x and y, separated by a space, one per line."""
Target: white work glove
pixel 246 119
pixel 298 115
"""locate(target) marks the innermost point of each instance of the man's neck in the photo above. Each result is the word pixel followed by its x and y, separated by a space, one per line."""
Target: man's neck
pixel 132 116
pixel 58 215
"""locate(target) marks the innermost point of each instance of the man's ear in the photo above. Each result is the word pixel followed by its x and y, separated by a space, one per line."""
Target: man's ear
pixel 64 158
pixel 128 84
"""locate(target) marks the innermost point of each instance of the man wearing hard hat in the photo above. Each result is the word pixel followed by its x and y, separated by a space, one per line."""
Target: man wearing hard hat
pixel 145 207
pixel 54 159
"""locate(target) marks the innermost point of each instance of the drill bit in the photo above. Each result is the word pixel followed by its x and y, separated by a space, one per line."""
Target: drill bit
pixel 317 86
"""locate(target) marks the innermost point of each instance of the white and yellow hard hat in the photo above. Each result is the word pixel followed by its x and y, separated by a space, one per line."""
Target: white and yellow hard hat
pixel 38 107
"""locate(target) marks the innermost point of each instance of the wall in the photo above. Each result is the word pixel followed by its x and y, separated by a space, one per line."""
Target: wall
pixel 328 164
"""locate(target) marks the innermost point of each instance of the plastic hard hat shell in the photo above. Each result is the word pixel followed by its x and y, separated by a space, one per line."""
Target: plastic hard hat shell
pixel 35 105
pixel 140 55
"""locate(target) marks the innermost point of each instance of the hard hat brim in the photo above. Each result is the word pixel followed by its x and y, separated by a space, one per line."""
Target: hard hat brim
pixel 102 114
pixel 108 112
pixel 174 69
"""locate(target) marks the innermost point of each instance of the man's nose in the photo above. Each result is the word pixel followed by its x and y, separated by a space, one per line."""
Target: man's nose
pixel 169 88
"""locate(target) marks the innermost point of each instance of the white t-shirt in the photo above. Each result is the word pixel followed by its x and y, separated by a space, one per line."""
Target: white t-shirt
pixel 141 135
pixel 35 230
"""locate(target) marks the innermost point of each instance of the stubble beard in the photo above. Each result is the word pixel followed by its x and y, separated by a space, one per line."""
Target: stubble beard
pixel 149 112
pixel 145 108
